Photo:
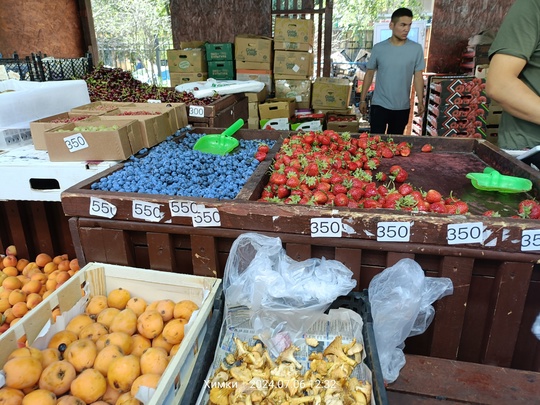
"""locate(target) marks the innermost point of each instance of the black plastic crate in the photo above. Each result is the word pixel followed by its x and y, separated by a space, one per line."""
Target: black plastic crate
pixel 355 301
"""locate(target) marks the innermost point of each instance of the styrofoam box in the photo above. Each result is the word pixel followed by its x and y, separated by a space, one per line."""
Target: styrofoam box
pixel 151 285
pixel 27 174
pixel 31 101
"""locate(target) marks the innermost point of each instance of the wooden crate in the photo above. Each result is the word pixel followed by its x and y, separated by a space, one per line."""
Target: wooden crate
pixel 221 113
pixel 497 286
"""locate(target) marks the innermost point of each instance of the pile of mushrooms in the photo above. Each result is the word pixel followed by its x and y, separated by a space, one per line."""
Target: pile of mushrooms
pixel 249 376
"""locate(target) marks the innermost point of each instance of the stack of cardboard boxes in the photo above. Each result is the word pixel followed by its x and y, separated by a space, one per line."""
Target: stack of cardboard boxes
pixel 254 57
pixel 220 60
pixel 187 64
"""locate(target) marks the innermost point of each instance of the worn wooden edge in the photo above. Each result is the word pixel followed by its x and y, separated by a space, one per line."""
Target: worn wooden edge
pixel 212 109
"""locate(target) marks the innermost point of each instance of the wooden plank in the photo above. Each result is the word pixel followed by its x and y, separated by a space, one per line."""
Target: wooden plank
pixel 204 255
pixel 75 237
pixel 298 252
pixel 527 351
pixel 352 259
pixel 394 257
pixel 92 245
pixel 403 398
pixel 507 303
pixel 118 248
pixel 42 232
pixel 17 228
pixel 450 310
pixel 161 251
pixel 466 382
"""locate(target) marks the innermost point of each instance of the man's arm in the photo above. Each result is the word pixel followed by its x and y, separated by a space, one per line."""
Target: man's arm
pixel 504 86
pixel 368 79
pixel 419 90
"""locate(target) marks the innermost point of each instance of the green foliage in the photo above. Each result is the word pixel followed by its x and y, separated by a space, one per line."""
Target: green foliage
pixel 353 16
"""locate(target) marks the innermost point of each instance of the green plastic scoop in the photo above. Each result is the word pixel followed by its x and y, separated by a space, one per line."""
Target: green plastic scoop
pixel 220 144
pixel 492 180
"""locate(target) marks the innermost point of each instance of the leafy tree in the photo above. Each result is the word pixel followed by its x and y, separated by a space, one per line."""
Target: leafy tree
pixel 129 31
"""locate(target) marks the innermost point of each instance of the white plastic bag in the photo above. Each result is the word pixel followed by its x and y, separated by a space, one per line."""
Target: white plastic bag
pixel 222 87
pixel 401 298
pixel 285 297
pixel 536 327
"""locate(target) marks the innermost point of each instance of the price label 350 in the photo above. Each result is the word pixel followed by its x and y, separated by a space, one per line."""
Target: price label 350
pixel 326 227
pixel 471 232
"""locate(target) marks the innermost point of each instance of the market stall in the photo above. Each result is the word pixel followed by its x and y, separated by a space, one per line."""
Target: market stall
pixel 486 320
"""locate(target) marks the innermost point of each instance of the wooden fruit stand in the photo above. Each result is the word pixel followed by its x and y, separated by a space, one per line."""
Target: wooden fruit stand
pixel 496 295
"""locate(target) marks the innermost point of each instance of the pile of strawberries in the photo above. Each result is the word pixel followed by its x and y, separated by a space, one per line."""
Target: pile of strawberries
pixel 327 168
pixel 527 209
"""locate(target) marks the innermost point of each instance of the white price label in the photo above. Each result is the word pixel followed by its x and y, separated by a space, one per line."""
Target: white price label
pixel 150 100
pixel 196 111
pixel 326 227
pixel 101 208
pixel 530 240
pixel 471 232
pixel 146 210
pixel 180 208
pixel 393 232
pixel 75 142
pixel 206 217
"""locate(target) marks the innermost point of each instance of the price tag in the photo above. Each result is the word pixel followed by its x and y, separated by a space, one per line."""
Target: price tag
pixel 326 227
pixel 146 210
pixel 206 217
pixel 150 100
pixel 530 240
pixel 75 142
pixel 180 208
pixel 196 111
pixel 393 232
pixel 471 232
pixel 101 208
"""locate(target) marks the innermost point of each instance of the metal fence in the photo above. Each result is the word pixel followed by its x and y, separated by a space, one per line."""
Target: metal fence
pixel 42 68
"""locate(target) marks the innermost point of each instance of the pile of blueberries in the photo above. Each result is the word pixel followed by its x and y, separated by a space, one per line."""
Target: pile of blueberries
pixel 174 168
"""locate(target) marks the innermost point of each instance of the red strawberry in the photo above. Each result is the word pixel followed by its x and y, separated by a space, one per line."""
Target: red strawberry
pixel 320 197
pixel 278 178
pixel 371 203
pixel 382 191
pixel 339 188
pixel 312 169
pixel 386 152
pixel 438 207
pixel 525 207
pixel 267 193
pixel 341 200
pixel 405 151
pixel 293 182
pixel 260 156
pixel 423 206
pixel 427 148
pixel 491 213
pixel 535 212
pixel 450 209
pixel 405 189
pixel 324 186
pixel 283 192
pixel 399 174
pixel 263 148
pixel 462 207
pixel 433 196
pixel 356 193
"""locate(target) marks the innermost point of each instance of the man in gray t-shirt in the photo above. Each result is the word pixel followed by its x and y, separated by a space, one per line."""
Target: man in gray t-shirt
pixel 397 61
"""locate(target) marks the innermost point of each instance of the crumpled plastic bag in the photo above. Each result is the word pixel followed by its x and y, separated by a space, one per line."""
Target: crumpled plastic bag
pixel 223 87
pixel 401 298
pixel 285 297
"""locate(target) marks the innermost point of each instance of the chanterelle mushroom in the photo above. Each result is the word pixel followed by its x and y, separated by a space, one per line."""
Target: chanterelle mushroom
pixel 288 356
pixel 335 348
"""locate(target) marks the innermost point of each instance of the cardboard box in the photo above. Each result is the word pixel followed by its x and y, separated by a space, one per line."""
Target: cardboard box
pixel 331 93
pixel 281 124
pixel 253 48
pixel 264 76
pixel 277 108
pixel 182 78
pixel 38 128
pixel 219 52
pixel 155 128
pixel 294 64
pixel 99 107
pixel 298 89
pixel 253 123
pixel 221 70
pixel 253 110
pixel 72 145
pixel 100 279
pixel 192 44
pixel 349 110
pixel 292 46
pixel 307 126
pixel 247 65
pixel 178 113
pixel 294 30
pixel 257 97
pixel 342 122
pixel 187 60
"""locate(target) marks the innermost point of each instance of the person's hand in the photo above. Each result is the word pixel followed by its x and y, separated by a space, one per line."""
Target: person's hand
pixel 363 107
pixel 420 110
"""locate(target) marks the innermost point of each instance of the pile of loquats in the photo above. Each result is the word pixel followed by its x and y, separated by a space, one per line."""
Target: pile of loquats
pixel 103 356
pixel 25 284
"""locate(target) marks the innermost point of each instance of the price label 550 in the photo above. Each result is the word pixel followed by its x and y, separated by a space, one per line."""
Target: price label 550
pixel 148 211
pixel 206 217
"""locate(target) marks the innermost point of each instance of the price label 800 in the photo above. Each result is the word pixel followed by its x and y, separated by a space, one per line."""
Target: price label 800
pixel 530 240
pixel 393 232
pixel 196 111
pixel 75 142
pixel 147 211
pixel 181 208
pixel 326 227
pixel 471 232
